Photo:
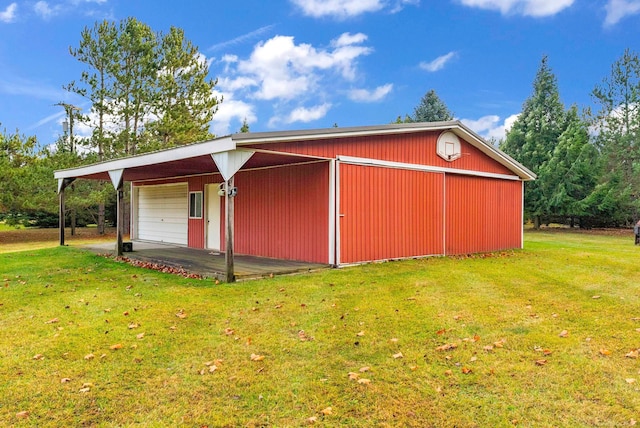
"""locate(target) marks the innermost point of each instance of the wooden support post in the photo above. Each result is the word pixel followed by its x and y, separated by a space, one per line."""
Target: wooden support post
pixel 120 220
pixel 61 218
pixel 229 235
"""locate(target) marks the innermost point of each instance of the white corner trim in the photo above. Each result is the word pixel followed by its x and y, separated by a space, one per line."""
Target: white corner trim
pixel 116 178
pixel 425 168
pixel 230 162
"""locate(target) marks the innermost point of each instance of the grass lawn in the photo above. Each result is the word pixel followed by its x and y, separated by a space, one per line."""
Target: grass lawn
pixel 546 336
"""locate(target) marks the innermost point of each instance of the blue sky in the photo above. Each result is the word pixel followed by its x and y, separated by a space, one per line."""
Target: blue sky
pixel 300 64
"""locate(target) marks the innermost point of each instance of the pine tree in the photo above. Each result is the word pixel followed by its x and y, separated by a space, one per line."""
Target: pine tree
pixel 618 126
pixel 571 173
pixel 431 109
pixel 534 135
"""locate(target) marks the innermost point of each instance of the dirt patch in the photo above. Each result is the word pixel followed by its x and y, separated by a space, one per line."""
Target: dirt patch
pixel 52 235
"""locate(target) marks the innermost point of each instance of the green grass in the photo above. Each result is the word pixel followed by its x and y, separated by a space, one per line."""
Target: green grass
pixel 522 299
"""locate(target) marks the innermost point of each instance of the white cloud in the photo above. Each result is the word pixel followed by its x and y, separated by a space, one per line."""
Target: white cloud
pixel 368 96
pixel 243 38
pixel 9 14
pixel 534 8
pixel 490 127
pixel 438 63
pixel 45 11
pixel 302 114
pixel 338 8
pixel 399 5
pixel 231 110
pixel 284 70
pixel 618 9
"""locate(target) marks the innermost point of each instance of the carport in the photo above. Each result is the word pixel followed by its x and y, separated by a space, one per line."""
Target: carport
pixel 216 156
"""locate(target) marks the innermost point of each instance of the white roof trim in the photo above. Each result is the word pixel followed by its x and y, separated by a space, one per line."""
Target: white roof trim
pixel 426 168
pixel 176 153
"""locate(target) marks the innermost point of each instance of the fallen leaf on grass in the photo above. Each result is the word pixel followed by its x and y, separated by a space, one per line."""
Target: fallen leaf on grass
pixel 116 346
pixel 605 352
pixel 360 333
pixel 228 331
pixel 353 376
pixel 22 415
pixel 466 370
pixel 398 355
pixel 500 343
pixel 448 372
pixel 630 380
pixel 488 348
pixel 364 381
pixel 133 325
pixel 140 336
pixel 446 347
pixel 65 380
pixel 303 336
pixel 394 340
pixel 38 357
pixel 633 354
pixel 255 357
pixel 181 314
pixel 328 411
pixel 52 321
pixel 364 369
pixel 595 297
pixel 84 390
pixel 564 333
pixel 89 357
pixel 541 362
pixel 312 419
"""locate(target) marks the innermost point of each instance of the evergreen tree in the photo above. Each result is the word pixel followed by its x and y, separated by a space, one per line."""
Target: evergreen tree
pixel 431 109
pixel 534 135
pixel 571 173
pixel 618 126
pixel 185 103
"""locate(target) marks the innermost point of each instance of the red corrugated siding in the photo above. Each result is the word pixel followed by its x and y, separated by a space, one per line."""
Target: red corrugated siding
pixel 483 214
pixel 283 213
pixel 389 213
pixel 418 148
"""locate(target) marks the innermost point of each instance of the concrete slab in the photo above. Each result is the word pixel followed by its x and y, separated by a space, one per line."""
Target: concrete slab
pixel 206 262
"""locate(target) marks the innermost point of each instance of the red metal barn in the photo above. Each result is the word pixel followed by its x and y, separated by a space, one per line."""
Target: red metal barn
pixel 335 196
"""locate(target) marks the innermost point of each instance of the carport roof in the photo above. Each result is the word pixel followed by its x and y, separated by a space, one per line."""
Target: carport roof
pixel 196 158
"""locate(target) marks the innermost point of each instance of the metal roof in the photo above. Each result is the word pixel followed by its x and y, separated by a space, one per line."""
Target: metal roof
pixel 181 155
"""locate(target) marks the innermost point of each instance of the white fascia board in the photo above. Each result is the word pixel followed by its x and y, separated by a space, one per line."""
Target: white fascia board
pixel 177 153
pixel 425 168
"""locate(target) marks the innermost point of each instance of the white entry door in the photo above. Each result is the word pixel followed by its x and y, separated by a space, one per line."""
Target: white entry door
pixel 213 217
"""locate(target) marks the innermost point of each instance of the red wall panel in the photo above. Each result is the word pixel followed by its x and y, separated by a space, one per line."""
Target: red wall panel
pixel 483 214
pixel 415 148
pixel 283 212
pixel 389 213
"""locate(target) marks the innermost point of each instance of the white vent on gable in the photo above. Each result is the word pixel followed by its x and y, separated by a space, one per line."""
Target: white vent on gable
pixel 448 147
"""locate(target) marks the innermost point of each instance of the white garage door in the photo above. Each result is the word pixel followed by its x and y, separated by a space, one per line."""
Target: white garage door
pixel 163 214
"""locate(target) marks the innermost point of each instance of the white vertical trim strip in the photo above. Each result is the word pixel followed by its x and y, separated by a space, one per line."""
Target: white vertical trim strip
pixel 522 218
pixel 332 211
pixel 444 214
pixel 134 211
pixel 337 213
